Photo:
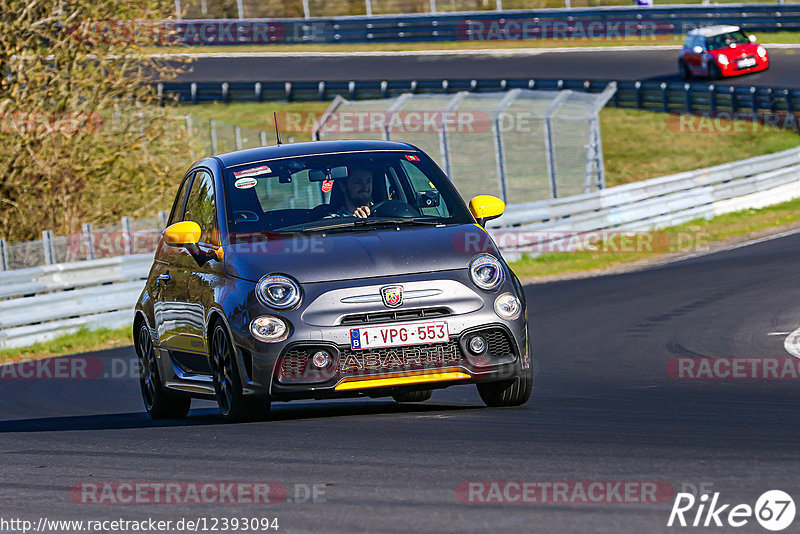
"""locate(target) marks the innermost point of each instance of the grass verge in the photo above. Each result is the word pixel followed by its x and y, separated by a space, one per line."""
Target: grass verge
pixel 696 236
pixel 637 144
pixel 84 340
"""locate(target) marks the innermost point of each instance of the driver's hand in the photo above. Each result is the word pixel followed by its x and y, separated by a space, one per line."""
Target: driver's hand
pixel 361 212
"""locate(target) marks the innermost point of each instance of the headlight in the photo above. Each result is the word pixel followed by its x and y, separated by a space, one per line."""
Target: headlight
pixel 269 329
pixel 722 59
pixel 761 51
pixel 278 291
pixel 486 272
pixel 507 307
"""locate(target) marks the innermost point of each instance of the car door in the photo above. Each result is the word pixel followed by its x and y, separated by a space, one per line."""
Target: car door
pixel 196 277
pixel 693 57
pixel 163 288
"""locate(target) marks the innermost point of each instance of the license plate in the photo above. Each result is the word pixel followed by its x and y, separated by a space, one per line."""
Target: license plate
pixel 746 63
pixel 399 335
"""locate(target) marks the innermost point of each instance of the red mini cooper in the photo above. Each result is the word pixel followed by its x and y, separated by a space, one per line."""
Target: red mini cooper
pixel 718 51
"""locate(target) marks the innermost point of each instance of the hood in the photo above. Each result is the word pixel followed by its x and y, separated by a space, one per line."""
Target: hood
pixel 353 254
pixel 740 51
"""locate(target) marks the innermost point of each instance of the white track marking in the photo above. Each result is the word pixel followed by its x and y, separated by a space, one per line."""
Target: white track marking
pixel 792 343
pixel 778 333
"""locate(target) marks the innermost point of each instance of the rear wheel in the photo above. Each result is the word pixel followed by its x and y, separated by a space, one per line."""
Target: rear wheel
pixel 686 74
pixel 233 405
pixel 508 392
pixel 413 396
pixel 157 402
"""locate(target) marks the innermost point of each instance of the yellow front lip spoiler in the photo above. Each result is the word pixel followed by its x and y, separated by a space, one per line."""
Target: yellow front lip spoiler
pixel 402 379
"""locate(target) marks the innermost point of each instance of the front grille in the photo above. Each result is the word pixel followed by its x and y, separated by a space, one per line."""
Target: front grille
pixel 293 363
pixel 394 315
pixel 499 342
pixel 393 359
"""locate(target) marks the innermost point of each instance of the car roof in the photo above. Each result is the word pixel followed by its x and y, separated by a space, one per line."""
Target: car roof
pixel 710 31
pixel 288 150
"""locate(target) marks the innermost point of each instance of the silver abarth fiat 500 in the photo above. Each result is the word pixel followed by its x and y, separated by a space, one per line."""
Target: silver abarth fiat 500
pixel 323 270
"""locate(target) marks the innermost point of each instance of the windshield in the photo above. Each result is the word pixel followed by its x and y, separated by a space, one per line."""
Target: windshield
pixel 724 40
pixel 340 191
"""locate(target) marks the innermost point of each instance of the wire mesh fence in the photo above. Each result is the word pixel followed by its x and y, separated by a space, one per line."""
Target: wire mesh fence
pixel 520 145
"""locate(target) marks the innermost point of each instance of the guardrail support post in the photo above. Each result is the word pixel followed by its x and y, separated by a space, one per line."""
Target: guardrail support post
pixel 712 99
pixel 384 89
pixel 3 255
pixel 687 87
pixel 193 91
pixel 49 248
pixel 734 102
pixel 127 236
pixel 237 134
pixel 213 130
pixel 225 91
pixel 639 100
pixel 754 99
pixel 88 241
pixel 664 98
pixel 351 90
pixel 787 93
pixel 259 92
pixel 287 90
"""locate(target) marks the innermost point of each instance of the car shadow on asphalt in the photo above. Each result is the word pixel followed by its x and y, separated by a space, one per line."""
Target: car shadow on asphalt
pixel 210 416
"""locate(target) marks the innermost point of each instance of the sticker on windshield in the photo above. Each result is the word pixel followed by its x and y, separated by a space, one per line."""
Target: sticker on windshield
pixel 255 171
pixel 245 183
pixel 412 157
pixel 327 185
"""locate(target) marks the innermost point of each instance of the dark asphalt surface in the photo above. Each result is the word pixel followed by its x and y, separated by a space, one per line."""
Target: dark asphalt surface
pixel 604 408
pixel 603 64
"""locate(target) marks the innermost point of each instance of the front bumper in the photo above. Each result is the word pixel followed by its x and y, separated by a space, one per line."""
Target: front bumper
pixel 283 371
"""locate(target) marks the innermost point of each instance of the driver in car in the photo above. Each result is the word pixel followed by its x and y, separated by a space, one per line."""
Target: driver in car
pixel 357 197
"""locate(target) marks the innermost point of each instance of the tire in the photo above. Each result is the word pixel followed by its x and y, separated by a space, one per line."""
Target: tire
pixel 157 402
pixel 233 405
pixel 713 71
pixel 686 74
pixel 413 396
pixel 508 392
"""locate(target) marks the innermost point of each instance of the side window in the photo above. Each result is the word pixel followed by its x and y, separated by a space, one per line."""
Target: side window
pixel 421 183
pixel 177 207
pixel 689 42
pixel 201 207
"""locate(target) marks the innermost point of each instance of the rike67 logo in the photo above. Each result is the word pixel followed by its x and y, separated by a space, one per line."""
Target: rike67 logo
pixel 774 510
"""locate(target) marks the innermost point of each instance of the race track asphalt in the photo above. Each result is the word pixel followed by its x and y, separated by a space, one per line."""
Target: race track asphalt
pixel 604 408
pixel 594 64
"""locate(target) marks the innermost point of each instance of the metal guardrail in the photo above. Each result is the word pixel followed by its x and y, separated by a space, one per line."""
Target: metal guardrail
pixel 655 96
pixel 488 25
pixel 44 302
pixel 659 202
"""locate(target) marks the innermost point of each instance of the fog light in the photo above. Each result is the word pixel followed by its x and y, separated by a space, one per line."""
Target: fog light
pixel 507 307
pixel 321 359
pixel 269 329
pixel 477 345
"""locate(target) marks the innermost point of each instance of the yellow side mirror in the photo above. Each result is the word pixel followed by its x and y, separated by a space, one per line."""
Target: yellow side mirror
pixel 182 234
pixel 486 207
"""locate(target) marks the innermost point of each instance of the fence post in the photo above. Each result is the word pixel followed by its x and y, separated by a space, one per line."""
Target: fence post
pixel 433 6
pixel 213 129
pixel 306 10
pixel 499 149
pixel 163 216
pixel 178 10
pixel 127 235
pixel 499 5
pixel 189 129
pixel 444 145
pixel 401 100
pixel 237 133
pixel 240 9
pixel 263 137
pixel 369 8
pixel 3 255
pixel 49 248
pixel 88 241
pixel 549 146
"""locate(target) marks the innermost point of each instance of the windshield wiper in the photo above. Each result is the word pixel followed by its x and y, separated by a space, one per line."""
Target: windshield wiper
pixel 360 223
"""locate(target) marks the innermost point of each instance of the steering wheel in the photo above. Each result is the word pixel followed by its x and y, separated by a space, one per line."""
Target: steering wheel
pixel 393 208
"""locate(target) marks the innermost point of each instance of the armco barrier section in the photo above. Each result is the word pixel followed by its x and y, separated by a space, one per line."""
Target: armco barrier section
pixel 672 97
pixel 44 302
pixel 596 22
pixel 660 202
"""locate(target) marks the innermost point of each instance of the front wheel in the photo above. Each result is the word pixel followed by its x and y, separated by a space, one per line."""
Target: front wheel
pixel 686 74
pixel 513 392
pixel 158 404
pixel 233 405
